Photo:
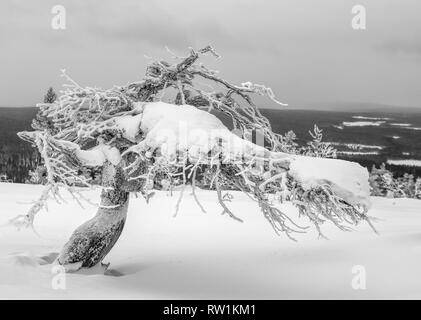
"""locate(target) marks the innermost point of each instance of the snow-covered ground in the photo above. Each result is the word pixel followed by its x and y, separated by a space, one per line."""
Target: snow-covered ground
pixel 359 153
pixel 370 118
pixel 362 123
pixel 197 255
pixel 405 162
pixel 401 124
pixel 355 146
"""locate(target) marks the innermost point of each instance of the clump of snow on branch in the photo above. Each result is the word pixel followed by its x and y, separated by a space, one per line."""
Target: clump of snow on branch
pixel 184 135
pixel 348 180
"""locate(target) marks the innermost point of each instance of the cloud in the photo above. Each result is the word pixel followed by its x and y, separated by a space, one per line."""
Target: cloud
pixel 305 50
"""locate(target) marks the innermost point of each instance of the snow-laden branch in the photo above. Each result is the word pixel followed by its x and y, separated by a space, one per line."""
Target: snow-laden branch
pixel 62 160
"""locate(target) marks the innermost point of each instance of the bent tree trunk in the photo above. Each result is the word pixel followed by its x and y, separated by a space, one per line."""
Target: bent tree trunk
pixel 94 239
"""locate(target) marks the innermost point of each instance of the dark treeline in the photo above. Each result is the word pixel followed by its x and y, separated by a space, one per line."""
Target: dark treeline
pixel 17 157
pixel 16 165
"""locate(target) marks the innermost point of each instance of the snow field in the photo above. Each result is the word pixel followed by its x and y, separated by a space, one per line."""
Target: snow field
pixel 197 255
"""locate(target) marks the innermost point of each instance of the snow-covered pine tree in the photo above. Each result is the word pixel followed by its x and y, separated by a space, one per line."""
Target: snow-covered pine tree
pixel 38 175
pixel 317 148
pixel 133 136
pixel 381 182
pixel 41 121
pixel 384 184
pixel 405 186
pixel 417 188
pixel 50 96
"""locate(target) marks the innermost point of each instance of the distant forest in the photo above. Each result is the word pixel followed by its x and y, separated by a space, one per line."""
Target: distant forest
pixel 17 157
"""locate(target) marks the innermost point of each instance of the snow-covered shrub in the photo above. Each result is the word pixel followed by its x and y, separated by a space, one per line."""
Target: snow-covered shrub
pixel 288 143
pixel 406 185
pixel 380 181
pixel 38 175
pixel 384 184
pixel 314 148
pixel 417 188
pixel 317 148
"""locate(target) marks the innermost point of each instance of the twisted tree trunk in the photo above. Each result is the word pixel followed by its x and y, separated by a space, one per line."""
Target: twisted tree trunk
pixel 94 239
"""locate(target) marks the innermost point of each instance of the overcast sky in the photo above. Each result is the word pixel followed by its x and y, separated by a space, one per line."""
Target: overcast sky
pixel 306 50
